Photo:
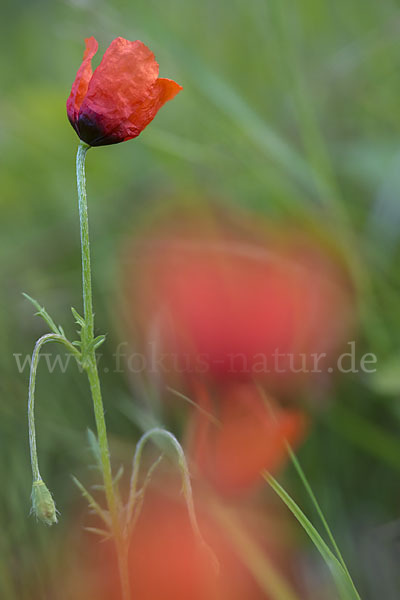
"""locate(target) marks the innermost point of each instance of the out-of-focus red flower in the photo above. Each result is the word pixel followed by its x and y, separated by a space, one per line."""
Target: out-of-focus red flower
pixel 247 435
pixel 122 96
pixel 221 304
pixel 166 560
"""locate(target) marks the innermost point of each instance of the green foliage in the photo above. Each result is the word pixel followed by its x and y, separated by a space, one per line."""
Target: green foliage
pixel 290 112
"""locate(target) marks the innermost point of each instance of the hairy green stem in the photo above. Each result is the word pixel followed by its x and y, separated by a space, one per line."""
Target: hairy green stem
pixel 186 485
pixel 43 506
pixel 89 361
pixel 85 244
pixel 50 337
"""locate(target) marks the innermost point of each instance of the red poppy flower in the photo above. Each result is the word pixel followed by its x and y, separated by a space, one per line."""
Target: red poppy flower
pixel 166 562
pixel 246 437
pixel 223 305
pixel 122 96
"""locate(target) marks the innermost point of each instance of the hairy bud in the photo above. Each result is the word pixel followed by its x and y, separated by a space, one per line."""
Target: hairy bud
pixel 43 506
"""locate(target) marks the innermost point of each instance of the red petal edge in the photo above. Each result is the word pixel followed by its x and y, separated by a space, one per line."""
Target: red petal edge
pixel 82 80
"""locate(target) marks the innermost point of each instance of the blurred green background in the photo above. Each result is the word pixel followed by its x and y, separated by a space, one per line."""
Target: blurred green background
pixel 289 109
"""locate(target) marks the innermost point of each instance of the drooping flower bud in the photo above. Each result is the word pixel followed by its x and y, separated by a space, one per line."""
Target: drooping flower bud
pixel 43 506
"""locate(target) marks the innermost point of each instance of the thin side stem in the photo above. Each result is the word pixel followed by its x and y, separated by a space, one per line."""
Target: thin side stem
pixel 186 485
pixel 89 361
pixel 50 337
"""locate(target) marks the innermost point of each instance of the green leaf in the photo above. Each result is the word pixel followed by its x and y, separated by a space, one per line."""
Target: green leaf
pixel 343 581
pixel 42 312
pixel 96 342
pixel 95 506
pixel 80 320
pixel 317 507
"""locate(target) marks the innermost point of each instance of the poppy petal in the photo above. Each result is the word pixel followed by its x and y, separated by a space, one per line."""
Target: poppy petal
pixel 249 439
pixel 167 89
pixel 82 80
pixel 162 91
pixel 124 78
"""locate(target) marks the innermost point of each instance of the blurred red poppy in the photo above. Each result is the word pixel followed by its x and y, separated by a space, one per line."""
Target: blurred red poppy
pixel 122 96
pixel 166 560
pixel 226 305
pixel 248 434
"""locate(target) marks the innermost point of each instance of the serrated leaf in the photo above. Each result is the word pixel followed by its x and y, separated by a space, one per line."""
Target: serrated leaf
pixel 98 341
pixel 92 502
pixel 80 320
pixel 42 312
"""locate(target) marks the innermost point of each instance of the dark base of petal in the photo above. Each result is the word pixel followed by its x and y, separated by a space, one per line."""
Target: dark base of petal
pixel 92 131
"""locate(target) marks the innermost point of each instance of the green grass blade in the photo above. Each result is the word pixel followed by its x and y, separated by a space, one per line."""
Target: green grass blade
pixel 343 581
pixel 264 571
pixel 317 506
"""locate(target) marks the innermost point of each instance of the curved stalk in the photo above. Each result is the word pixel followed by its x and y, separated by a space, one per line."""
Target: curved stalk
pixel 50 337
pixel 186 485
pixel 43 505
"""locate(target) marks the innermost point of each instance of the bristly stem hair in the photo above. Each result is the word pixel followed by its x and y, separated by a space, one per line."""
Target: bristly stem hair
pixel 88 350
